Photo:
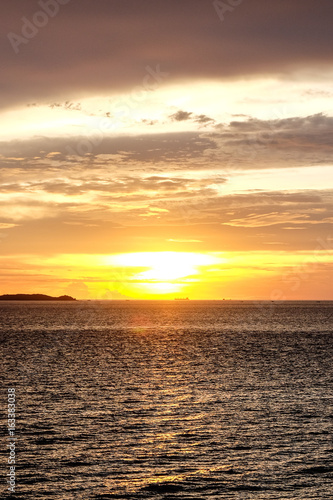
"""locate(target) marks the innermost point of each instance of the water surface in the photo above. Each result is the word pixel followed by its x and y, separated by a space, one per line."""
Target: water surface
pixel 170 399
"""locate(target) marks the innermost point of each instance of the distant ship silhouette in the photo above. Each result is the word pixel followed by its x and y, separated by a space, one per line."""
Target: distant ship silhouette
pixel 185 298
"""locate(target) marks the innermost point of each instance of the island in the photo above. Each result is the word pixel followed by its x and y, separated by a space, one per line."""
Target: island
pixel 34 296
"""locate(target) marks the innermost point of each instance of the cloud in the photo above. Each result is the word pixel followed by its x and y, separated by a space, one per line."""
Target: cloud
pixel 241 144
pixel 150 148
pixel 198 215
pixel 317 93
pixel 106 46
pixel 121 185
pixel 252 209
pixel 6 225
pixel 180 116
pixel 296 141
pixel 203 119
pixel 69 106
pixel 100 191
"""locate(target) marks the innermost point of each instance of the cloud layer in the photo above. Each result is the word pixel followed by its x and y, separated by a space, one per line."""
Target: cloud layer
pixel 106 46
pixel 238 145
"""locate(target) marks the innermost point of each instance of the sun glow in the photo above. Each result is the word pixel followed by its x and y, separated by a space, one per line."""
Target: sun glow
pixel 167 272
pixel 162 288
pixel 165 266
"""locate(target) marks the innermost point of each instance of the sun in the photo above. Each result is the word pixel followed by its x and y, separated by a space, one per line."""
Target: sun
pixel 165 272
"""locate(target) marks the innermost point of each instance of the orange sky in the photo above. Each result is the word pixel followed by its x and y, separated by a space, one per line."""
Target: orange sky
pixel 152 151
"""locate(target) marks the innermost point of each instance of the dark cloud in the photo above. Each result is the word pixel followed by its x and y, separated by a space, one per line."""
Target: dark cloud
pixel 298 141
pixel 148 122
pixel 69 106
pixel 203 119
pixel 181 116
pixel 240 145
pixel 107 46
pixel 247 144
pixel 169 147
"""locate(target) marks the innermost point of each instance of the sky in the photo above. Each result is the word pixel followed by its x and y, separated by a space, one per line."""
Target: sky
pixel 161 150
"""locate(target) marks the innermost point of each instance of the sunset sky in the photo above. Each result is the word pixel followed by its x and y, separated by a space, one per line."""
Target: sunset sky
pixel 157 149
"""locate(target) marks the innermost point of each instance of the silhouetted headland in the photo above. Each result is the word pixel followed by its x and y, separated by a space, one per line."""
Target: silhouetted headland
pixel 34 296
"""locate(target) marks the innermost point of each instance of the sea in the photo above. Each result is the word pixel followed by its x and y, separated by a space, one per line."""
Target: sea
pixel 169 400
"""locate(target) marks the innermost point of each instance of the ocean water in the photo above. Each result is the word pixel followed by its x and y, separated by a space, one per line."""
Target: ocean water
pixel 169 399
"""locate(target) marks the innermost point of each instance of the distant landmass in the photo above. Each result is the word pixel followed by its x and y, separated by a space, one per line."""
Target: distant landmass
pixel 34 296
